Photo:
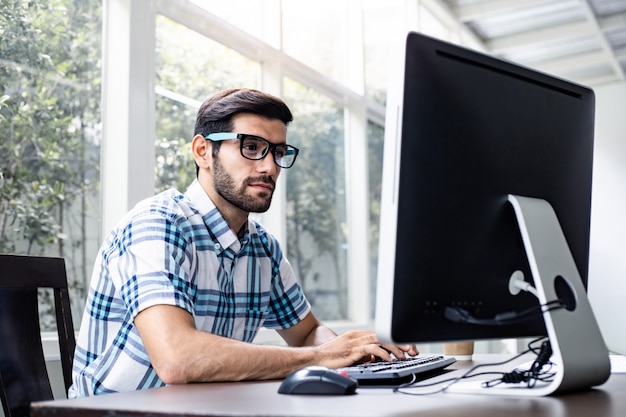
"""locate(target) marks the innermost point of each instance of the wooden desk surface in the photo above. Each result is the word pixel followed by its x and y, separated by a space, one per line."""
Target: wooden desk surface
pixel 262 399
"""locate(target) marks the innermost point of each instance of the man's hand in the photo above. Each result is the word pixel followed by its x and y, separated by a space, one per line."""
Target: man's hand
pixel 359 346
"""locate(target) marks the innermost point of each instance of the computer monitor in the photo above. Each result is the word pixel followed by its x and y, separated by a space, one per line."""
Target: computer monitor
pixel 487 175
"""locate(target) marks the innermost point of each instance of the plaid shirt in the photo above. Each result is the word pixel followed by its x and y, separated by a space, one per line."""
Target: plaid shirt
pixel 177 250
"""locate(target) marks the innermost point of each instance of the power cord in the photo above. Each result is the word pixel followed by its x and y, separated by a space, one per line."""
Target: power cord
pixel 516 284
pixel 536 373
pixel 529 376
pixel 460 315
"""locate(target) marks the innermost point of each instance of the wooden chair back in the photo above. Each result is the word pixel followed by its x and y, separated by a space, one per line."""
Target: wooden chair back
pixel 23 373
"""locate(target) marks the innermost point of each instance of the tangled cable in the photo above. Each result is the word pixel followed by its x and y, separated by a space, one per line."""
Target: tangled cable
pixel 540 370
pixel 532 375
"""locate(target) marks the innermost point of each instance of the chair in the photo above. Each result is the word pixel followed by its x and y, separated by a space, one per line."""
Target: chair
pixel 23 374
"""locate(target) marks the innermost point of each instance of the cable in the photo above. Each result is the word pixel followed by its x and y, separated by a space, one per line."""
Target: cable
pixel 516 376
pixel 529 376
pixel 526 286
pixel 517 284
pixel 460 315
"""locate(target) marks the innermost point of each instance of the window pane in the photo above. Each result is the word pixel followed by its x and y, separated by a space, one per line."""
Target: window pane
pixel 248 15
pixel 383 23
pixel 314 33
pixel 50 123
pixel 431 25
pixel 316 200
pixel 375 148
pixel 189 68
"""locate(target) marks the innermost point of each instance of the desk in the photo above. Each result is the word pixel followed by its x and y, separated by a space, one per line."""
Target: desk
pixel 262 399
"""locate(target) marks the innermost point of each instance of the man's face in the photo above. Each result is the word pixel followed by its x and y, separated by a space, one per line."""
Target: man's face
pixel 245 184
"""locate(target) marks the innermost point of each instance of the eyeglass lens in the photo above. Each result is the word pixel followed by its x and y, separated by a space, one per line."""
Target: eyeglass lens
pixel 253 147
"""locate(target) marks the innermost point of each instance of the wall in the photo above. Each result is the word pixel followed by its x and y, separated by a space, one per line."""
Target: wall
pixel 607 270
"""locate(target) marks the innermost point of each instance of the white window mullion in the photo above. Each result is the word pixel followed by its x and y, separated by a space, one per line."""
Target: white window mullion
pixel 357 214
pixel 275 219
pixel 128 157
pixel 357 204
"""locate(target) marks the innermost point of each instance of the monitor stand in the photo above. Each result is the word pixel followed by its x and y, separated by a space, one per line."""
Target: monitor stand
pixel 579 352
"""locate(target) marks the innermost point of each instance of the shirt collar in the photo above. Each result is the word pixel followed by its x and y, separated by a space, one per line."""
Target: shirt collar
pixel 225 236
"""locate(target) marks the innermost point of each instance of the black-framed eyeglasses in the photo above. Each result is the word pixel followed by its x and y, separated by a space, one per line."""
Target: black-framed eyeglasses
pixel 256 148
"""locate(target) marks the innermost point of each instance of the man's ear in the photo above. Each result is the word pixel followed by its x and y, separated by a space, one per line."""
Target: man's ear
pixel 201 150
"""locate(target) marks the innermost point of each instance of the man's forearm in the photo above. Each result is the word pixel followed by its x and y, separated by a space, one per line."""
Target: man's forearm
pixel 319 335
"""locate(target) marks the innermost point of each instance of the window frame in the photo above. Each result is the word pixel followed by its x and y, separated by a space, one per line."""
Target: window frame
pixel 128 114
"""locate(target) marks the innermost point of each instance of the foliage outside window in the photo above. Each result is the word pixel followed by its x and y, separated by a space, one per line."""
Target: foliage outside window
pixel 375 148
pixel 316 243
pixel 50 124
pixel 50 131
pixel 316 200
pixel 189 68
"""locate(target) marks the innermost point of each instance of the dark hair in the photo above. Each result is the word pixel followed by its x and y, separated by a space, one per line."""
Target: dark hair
pixel 216 113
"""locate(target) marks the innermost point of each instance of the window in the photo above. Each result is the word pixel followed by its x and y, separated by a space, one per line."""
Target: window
pixel 375 136
pixel 380 26
pixel 248 16
pixel 189 68
pixel 314 33
pixel 326 59
pixel 316 200
pixel 50 54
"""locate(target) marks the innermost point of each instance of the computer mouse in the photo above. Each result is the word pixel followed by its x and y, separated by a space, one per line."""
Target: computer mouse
pixel 318 380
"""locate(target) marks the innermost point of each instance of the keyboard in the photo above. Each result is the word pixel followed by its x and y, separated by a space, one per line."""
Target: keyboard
pixel 398 371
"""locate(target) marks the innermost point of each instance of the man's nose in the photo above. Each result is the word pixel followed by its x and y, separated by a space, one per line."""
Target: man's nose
pixel 268 165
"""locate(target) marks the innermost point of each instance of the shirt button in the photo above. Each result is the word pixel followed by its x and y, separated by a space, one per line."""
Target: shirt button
pixel 217 246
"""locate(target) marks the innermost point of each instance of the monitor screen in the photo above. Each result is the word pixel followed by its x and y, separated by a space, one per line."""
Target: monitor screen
pixel 464 130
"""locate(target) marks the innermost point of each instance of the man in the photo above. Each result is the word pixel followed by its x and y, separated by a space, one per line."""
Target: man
pixel 183 283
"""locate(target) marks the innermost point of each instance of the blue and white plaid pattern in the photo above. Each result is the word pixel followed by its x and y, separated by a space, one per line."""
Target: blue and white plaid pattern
pixel 177 250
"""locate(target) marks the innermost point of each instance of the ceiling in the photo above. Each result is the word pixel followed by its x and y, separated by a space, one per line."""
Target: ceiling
pixel 580 40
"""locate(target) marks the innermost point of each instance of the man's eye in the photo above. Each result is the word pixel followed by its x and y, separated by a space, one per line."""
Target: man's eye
pixel 251 147
pixel 280 151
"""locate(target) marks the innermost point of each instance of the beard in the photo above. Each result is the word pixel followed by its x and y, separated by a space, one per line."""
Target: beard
pixel 227 189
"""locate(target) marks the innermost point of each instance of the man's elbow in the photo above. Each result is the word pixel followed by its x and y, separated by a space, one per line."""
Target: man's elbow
pixel 172 373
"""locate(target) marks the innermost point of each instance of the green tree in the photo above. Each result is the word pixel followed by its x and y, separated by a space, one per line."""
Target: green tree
pixel 316 192
pixel 49 129
pixel 192 67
